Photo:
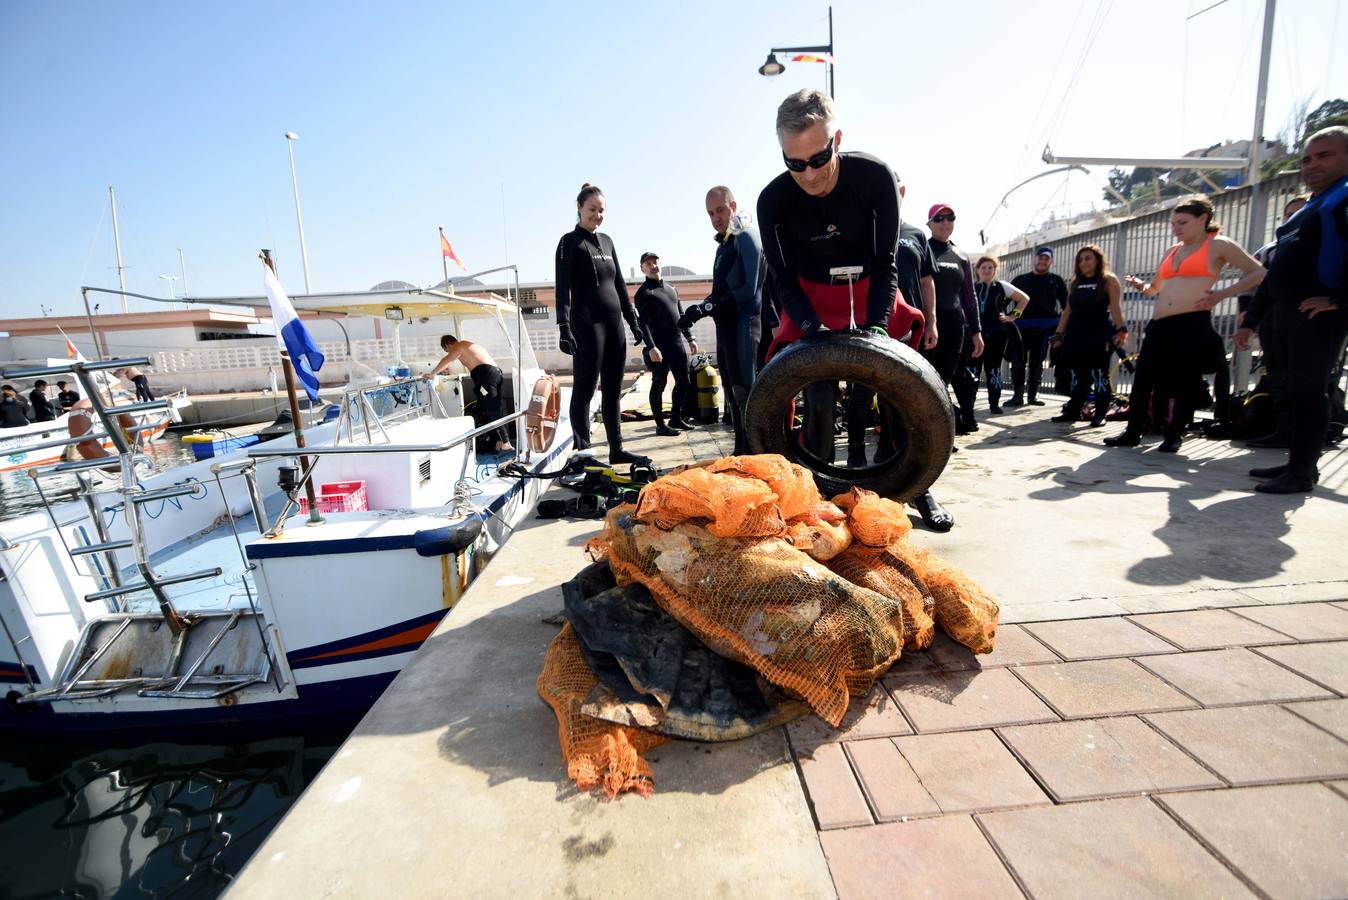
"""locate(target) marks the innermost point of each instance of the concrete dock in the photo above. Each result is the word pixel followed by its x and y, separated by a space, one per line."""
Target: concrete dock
pixel 1164 715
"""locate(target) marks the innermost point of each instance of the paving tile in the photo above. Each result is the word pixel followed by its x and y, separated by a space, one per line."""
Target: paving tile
pixel 1340 786
pixel 875 716
pixel 1331 715
pixel 949 701
pixel 1184 600
pixel 1256 744
pixel 889 783
pixel 914 662
pixel 1015 647
pixel 833 789
pixel 1288 839
pixel 1303 621
pixel 1207 629
pixel 939 858
pixel 1299 593
pixel 1097 638
pixel 1224 677
pixel 969 771
pixel 1326 663
pixel 1108 848
pixel 1053 610
pixel 1095 758
pixel 1101 687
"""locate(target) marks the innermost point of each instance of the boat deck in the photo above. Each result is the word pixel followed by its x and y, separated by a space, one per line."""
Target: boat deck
pixel 955 769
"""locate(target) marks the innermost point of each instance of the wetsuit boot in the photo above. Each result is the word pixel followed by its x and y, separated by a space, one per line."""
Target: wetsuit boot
pixel 934 515
pixel 994 398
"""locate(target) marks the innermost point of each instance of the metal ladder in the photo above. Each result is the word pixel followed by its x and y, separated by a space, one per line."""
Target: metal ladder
pixel 175 681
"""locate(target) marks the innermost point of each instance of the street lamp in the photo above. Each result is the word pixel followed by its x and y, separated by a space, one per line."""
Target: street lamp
pixel 291 138
pixel 170 279
pixel 772 67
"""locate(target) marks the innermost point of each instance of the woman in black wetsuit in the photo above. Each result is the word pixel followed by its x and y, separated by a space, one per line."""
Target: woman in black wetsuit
pixel 1090 327
pixel 592 303
pixel 999 306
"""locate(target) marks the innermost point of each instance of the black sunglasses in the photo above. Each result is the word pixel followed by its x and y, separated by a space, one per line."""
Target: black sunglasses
pixel 944 217
pixel 818 161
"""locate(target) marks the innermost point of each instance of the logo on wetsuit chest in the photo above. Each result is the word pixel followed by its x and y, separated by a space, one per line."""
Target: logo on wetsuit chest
pixel 954 267
pixel 829 233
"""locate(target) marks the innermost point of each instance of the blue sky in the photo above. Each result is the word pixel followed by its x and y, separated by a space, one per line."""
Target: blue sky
pixel 486 118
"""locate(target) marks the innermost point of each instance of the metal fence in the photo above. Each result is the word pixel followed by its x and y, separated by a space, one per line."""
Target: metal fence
pixel 1137 246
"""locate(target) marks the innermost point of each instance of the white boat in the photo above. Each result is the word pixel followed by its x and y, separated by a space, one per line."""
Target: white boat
pixel 201 597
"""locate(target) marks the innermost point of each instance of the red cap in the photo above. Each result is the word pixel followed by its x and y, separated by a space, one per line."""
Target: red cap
pixel 937 208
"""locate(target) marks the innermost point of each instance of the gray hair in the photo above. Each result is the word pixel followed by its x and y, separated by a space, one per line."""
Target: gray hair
pixel 803 110
pixel 1333 131
pixel 726 194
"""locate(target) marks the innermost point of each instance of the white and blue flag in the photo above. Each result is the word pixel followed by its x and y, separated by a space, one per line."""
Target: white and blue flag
pixel 292 335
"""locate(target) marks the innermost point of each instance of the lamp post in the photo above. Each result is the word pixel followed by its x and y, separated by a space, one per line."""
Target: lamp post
pixel 772 67
pixel 291 138
pixel 170 279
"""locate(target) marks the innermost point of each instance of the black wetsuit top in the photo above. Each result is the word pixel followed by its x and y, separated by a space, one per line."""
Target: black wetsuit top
pixel 914 261
pixel 955 283
pixel 658 308
pixel 855 224
pixel 13 413
pixel 1311 256
pixel 1089 328
pixel 590 280
pixel 68 399
pixel 1047 293
pixel 993 300
pixel 41 406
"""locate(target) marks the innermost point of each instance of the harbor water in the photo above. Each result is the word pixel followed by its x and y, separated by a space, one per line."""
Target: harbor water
pixel 157 819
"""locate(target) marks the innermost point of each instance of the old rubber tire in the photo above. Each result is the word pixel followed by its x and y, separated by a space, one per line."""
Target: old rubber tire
pixel 897 372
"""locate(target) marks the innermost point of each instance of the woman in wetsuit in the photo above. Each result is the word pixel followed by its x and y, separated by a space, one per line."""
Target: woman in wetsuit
pixel 999 306
pixel 592 303
pixel 1180 345
pixel 1090 327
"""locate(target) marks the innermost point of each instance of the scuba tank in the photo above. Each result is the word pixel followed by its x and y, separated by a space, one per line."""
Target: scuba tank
pixel 707 388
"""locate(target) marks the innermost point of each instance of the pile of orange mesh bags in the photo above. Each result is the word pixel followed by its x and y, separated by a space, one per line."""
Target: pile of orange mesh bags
pixel 810 600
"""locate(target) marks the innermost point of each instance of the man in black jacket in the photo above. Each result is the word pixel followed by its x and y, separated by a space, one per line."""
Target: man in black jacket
pixel 39 404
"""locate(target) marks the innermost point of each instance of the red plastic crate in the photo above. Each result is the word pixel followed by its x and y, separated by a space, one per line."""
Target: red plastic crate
pixel 339 496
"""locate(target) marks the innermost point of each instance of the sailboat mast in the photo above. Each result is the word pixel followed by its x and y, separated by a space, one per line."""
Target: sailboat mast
pixel 117 243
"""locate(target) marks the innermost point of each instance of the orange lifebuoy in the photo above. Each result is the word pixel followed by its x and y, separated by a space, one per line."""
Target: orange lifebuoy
pixel 540 423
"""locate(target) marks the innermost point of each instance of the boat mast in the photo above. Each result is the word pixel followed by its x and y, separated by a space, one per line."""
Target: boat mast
pixel 117 243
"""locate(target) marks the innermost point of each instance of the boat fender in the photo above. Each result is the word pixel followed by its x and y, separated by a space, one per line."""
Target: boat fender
pixel 450 539
pixel 540 423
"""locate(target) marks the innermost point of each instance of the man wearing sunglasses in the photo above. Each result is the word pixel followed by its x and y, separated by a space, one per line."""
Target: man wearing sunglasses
pixel 827 211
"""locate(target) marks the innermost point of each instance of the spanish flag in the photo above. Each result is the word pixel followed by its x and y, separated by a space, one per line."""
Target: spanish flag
pixel 813 57
pixel 448 252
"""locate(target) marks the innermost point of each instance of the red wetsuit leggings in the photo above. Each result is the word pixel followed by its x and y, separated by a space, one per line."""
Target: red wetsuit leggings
pixel 833 305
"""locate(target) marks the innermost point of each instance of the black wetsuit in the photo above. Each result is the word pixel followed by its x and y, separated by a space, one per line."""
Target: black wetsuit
pixel 41 406
pixel 1048 296
pixel 1311 260
pixel 592 303
pixel 487 380
pixel 956 322
pixel 1086 345
pixel 657 304
pixel 13 412
pixel 914 261
pixel 855 224
pixel 994 300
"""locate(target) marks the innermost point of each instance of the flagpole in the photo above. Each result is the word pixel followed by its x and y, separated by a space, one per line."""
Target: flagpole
pixel 306 462
pixel 444 260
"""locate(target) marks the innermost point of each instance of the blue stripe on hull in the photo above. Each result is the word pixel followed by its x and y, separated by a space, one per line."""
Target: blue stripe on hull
pixel 320 704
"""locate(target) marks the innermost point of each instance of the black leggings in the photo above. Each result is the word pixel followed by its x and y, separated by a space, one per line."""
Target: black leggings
pixel 487 384
pixel 600 355
pixel 1090 372
pixel 1176 351
pixel 1312 349
pixel 676 363
pixel 1027 360
pixel 995 344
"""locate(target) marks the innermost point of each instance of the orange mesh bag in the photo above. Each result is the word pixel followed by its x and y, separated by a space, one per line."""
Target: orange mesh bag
pixel 766 604
pixel 962 609
pixel 793 484
pixel 882 572
pixel 597 753
pixel 820 540
pixel 729 505
pixel 875 521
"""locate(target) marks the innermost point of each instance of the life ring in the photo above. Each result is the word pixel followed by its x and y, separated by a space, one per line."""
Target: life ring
pixel 540 423
pixel 912 391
